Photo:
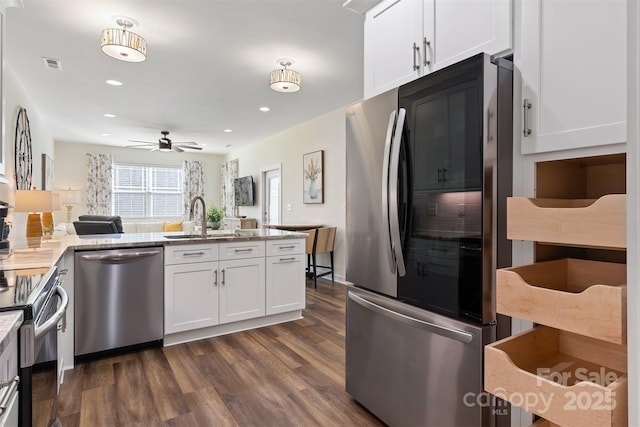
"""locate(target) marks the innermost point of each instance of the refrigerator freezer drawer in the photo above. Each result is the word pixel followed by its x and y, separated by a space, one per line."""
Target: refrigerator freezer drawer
pixel 412 367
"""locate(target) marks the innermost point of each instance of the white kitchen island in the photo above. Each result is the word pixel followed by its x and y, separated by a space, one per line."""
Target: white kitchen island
pixel 226 282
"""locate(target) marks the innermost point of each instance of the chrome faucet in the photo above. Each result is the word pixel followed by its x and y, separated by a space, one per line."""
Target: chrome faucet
pixel 204 213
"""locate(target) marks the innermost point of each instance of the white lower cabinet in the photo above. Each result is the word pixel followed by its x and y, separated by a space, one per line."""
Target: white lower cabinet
pixel 285 280
pixel 190 296
pixel 218 288
pixel 241 289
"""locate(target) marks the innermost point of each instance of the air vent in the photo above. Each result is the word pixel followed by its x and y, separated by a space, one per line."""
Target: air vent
pixel 52 64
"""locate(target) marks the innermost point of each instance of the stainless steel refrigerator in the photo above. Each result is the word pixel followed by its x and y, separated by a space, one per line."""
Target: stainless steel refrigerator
pixel 428 173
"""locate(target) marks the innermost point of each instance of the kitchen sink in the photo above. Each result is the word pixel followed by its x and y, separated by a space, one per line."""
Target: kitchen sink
pixel 210 235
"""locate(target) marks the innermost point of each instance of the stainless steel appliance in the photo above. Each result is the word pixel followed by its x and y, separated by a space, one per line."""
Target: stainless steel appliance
pixel 119 298
pixel 44 304
pixel 428 173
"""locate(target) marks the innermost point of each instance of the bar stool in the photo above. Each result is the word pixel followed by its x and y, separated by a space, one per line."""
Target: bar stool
pixel 319 240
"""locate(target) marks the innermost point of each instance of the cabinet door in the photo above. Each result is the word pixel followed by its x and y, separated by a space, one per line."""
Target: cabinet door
pixel 190 296
pixel 573 67
pixel 390 30
pixel 242 289
pixel 463 28
pixel 285 283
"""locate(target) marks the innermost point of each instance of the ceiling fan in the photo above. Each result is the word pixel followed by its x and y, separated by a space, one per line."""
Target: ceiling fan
pixel 165 144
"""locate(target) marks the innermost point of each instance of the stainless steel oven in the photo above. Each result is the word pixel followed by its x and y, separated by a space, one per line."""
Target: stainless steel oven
pixel 37 292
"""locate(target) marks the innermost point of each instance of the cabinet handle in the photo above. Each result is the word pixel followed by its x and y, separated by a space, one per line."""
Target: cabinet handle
pixel 192 253
pixel 242 250
pixel 425 45
pixel 444 174
pixel 215 280
pixel 439 177
pixel 526 106
pixel 8 388
pixel 287 247
pixel 416 52
pixel 287 259
pixel 222 282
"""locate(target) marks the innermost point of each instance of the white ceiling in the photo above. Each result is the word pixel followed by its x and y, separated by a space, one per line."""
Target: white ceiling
pixel 207 67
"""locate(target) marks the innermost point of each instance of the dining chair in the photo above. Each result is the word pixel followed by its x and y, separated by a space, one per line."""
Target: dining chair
pixel 319 240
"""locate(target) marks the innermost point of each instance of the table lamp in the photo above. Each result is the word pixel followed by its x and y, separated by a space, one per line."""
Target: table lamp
pixel 47 217
pixel 34 202
pixel 68 198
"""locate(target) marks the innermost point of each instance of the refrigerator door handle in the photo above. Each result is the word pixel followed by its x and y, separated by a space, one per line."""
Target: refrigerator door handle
pixel 394 164
pixel 385 189
pixel 455 334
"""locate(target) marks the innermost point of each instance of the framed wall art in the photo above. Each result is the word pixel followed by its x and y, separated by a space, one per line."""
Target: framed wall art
pixel 313 171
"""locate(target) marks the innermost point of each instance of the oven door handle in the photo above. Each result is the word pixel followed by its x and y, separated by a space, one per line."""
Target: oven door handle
pixel 41 330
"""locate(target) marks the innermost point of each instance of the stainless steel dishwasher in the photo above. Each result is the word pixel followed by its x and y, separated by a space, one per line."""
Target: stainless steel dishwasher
pixel 119 298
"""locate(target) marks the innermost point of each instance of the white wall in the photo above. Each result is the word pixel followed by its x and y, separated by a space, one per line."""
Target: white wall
pixel 71 171
pixel 42 142
pixel 326 132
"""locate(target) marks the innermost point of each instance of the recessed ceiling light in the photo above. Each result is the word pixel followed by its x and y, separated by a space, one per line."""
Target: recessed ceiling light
pixel 105 134
pixel 109 115
pixel 228 130
pixel 114 83
pixel 265 109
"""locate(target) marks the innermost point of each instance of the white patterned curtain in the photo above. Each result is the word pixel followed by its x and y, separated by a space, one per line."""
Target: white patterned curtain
pixel 99 183
pixel 193 185
pixel 228 172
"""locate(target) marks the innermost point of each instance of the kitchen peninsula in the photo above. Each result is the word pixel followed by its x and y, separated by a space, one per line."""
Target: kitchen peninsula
pixel 252 278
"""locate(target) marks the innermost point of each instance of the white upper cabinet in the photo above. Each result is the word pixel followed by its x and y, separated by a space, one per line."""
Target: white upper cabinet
pixel 406 39
pixel 572 60
pixel 391 29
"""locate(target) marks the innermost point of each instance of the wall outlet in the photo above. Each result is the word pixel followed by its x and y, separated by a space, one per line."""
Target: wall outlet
pixel 432 210
pixel 289 207
pixel 461 209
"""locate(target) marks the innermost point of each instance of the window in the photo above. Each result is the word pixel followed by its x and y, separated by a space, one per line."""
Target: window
pixel 147 191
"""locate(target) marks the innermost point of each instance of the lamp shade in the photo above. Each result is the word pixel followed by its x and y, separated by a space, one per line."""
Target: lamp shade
pixel 33 201
pixel 285 79
pixel 70 197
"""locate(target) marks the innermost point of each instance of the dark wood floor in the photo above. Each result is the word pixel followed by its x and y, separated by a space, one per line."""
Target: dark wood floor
pixel 290 374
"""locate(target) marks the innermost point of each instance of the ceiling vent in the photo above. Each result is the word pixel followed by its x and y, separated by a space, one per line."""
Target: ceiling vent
pixel 52 64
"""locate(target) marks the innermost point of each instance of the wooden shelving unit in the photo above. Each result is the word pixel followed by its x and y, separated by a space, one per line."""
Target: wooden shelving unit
pixel 571 372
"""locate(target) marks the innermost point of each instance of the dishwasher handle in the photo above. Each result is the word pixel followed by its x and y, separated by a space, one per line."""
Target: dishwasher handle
pixel 41 330
pixel 120 256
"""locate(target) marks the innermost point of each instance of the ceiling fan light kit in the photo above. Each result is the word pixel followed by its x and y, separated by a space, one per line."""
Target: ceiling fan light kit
pixel 122 44
pixel 284 79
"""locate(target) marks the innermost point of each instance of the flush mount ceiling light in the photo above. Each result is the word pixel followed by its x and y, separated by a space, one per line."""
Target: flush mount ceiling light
pixel 121 44
pixel 284 79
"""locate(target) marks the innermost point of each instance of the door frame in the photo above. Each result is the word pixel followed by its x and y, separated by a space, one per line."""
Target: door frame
pixel 264 197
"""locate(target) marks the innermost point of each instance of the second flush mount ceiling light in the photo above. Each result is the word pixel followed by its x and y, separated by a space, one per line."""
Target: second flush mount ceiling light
pixel 284 79
pixel 122 44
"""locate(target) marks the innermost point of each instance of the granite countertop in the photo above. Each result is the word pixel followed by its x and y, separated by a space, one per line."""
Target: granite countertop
pixel 34 253
pixel 10 321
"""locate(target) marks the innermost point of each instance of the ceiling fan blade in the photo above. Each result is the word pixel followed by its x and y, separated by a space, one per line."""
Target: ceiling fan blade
pixel 140 146
pixel 188 146
pixel 155 149
pixel 144 142
pixel 176 148
pixel 185 142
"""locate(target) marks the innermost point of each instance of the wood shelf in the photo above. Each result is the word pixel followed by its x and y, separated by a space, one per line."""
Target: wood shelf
pixel 568 379
pixel 599 223
pixel 581 296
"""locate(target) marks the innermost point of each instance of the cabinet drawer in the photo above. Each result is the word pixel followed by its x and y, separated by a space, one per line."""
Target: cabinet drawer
pixel 182 254
pixel 576 222
pixel 237 250
pixel 565 378
pixel 581 296
pixel 283 247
